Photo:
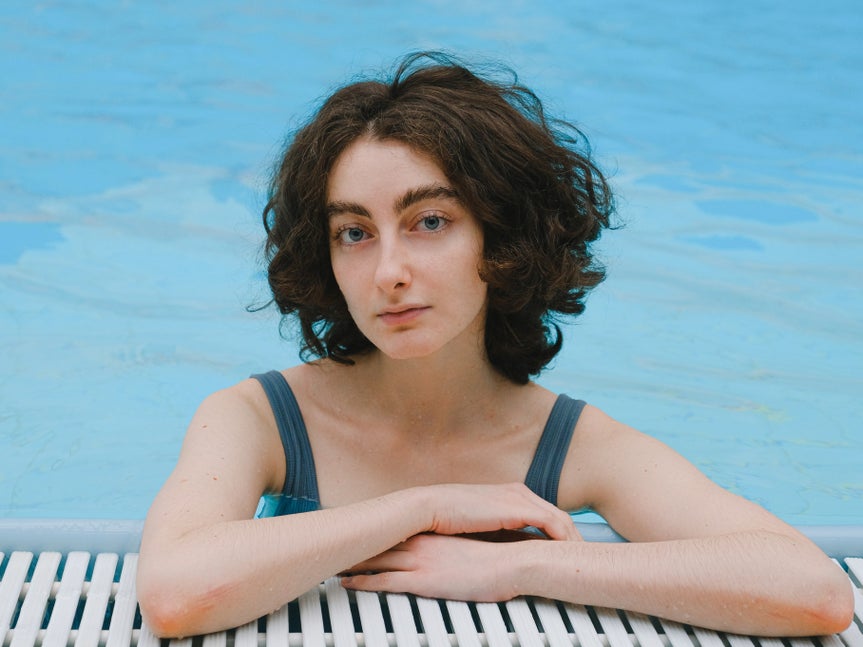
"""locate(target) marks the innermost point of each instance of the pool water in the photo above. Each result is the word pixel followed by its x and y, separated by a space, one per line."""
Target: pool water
pixel 135 143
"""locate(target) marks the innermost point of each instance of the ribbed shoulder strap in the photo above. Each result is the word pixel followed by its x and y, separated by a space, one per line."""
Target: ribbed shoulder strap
pixel 301 481
pixel 543 477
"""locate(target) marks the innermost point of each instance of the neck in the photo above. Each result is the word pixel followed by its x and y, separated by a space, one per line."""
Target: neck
pixel 441 392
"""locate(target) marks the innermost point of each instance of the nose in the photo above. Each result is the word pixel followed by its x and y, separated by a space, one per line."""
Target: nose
pixel 393 268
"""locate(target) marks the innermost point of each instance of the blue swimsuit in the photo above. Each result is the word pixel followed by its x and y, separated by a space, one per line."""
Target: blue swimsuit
pixel 300 493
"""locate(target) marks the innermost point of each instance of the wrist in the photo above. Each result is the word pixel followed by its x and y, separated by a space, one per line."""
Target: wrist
pixel 420 503
pixel 521 566
pixel 542 566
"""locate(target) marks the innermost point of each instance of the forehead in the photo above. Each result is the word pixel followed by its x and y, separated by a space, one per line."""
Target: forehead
pixel 370 167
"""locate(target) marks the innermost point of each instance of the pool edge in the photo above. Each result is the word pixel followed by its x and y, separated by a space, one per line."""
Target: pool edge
pixel 124 535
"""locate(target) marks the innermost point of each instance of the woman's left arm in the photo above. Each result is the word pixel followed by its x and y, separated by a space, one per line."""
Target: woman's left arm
pixel 698 553
pixel 748 582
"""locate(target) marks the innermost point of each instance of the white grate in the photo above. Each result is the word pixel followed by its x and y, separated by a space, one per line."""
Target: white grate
pixel 75 600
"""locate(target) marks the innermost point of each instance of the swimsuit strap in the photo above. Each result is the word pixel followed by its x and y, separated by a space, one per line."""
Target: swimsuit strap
pixel 300 492
pixel 543 477
pixel 301 483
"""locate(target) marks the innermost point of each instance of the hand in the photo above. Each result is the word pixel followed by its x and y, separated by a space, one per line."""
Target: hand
pixel 439 566
pixel 460 509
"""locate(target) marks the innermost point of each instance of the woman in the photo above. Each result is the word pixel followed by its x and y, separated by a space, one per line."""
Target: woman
pixel 424 232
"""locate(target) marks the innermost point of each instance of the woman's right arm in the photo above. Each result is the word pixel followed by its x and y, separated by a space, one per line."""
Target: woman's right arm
pixel 205 563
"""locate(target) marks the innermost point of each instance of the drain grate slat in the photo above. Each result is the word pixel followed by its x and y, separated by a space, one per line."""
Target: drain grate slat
pixel 147 638
pixel 371 618
pixel 644 630
pixel 433 622
pixel 35 603
pixel 341 618
pixel 246 635
pixel 125 606
pixel 493 624
pixel 99 595
pixel 463 624
pixel 524 623
pixel 311 619
pixel 613 628
pixel 11 588
pixel 218 639
pixel 583 625
pixel 278 628
pixel 403 619
pixel 67 598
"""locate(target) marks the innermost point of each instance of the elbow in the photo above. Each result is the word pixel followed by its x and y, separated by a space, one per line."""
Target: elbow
pixel 834 609
pixel 166 615
pixel 827 605
pixel 168 612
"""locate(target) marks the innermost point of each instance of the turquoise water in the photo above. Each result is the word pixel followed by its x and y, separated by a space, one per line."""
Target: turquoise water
pixel 135 142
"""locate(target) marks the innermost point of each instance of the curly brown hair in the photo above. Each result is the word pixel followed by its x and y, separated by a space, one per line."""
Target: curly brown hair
pixel 528 179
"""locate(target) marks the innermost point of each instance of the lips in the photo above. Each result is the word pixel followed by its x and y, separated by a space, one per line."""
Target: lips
pixel 401 314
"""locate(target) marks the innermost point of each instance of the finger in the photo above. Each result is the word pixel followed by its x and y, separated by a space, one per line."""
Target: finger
pixel 569 531
pixel 561 527
pixel 387 582
pixel 400 557
pixel 556 523
pixel 553 521
pixel 390 560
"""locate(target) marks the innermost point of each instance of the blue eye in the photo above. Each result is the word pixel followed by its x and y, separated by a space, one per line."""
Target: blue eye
pixel 352 235
pixel 432 223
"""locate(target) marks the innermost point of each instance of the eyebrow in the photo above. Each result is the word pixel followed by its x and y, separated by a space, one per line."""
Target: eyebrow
pixel 410 197
pixel 425 192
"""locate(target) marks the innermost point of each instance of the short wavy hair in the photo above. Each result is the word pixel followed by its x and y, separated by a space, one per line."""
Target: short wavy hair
pixel 527 178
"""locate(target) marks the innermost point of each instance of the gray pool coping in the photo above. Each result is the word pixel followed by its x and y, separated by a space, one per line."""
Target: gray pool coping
pixel 124 536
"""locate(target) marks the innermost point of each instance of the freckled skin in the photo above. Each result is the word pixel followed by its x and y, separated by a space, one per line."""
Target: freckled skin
pixel 400 261
pixel 425 409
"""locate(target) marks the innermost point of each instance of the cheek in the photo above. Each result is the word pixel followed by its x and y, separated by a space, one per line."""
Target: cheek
pixel 462 276
pixel 343 264
pixel 469 270
pixel 343 279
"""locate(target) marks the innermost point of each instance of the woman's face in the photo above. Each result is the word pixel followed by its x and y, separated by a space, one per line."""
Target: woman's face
pixel 405 251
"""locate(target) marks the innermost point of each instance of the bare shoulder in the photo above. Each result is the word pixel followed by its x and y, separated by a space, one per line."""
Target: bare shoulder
pixel 593 439
pixel 241 412
pixel 244 407
pixel 648 491
pixel 244 399
pixel 229 457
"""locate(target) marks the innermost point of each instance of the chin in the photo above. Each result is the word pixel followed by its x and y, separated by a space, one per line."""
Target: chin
pixel 405 353
pixel 408 349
